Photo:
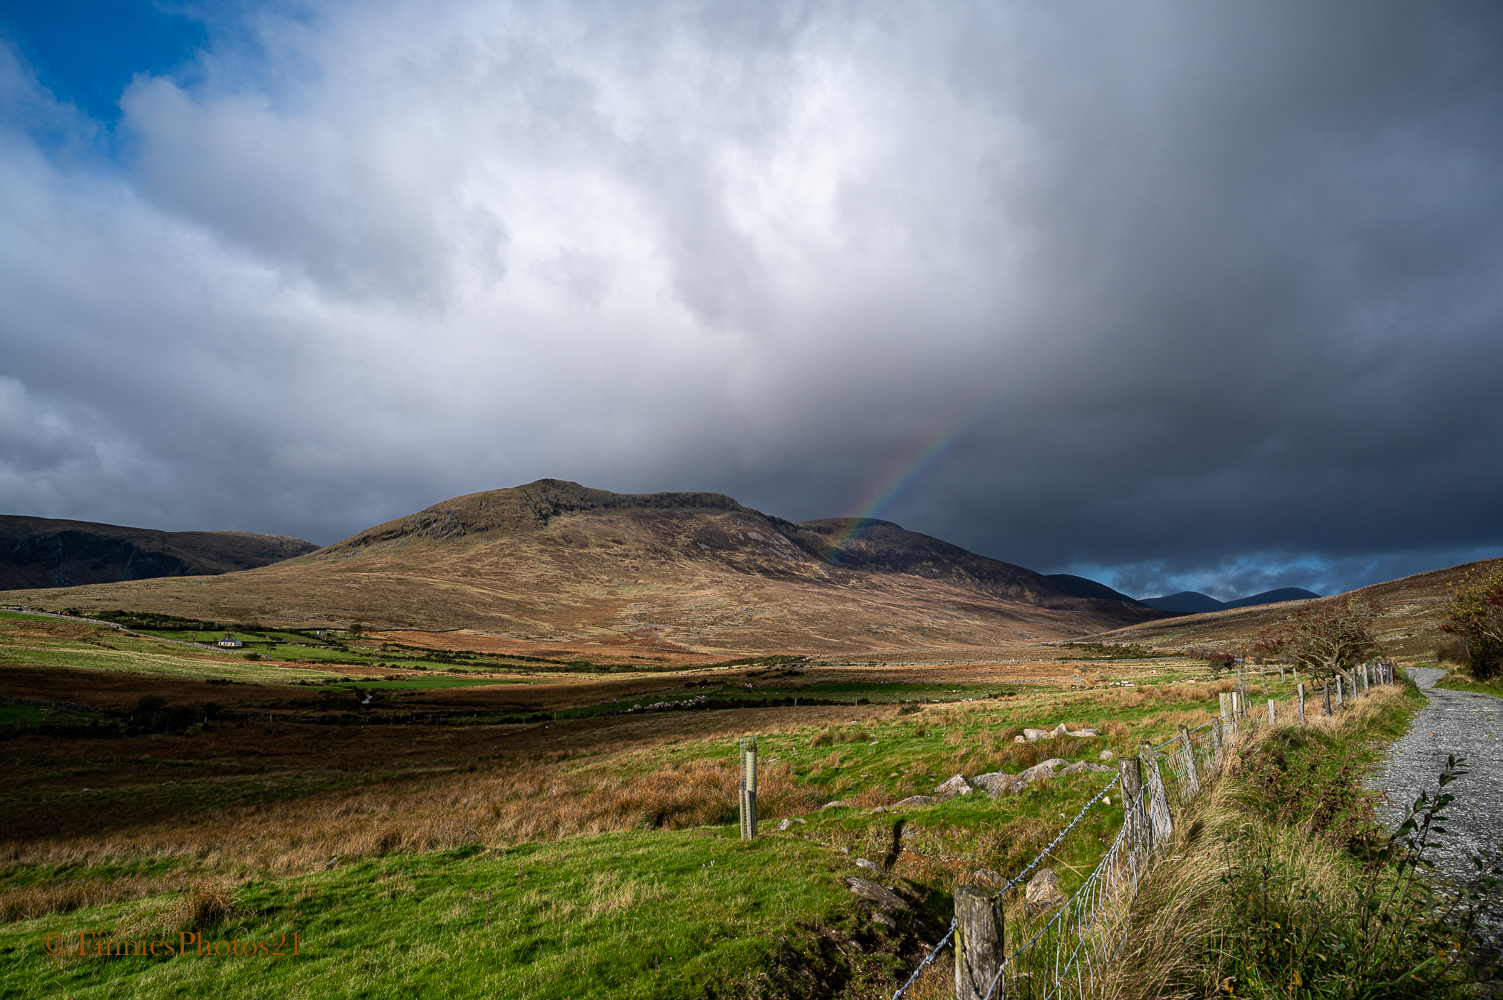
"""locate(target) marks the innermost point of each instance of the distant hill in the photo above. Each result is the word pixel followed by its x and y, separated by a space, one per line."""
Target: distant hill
pixel 1082 587
pixel 1186 602
pixel 1410 625
pixel 555 560
pixel 1189 602
pixel 43 552
pixel 1273 597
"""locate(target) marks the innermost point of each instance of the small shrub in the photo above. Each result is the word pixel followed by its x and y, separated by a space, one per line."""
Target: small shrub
pixel 208 904
pixel 822 739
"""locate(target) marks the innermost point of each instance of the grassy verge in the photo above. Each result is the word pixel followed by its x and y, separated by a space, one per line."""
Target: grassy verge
pixel 1457 679
pixel 1280 883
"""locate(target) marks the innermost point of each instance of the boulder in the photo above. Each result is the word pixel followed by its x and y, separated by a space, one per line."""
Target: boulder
pixel 1043 770
pixel 873 893
pixel 1084 734
pixel 987 875
pixel 785 824
pixel 956 785
pixel 1082 766
pixel 916 800
pixel 1036 734
pixel 837 804
pixel 1020 739
pixel 886 921
pixel 999 783
pixel 1105 755
pixel 1043 892
pixel 870 866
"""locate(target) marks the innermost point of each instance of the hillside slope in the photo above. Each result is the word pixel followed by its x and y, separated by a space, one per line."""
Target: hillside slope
pixel 44 552
pixel 1410 625
pixel 555 560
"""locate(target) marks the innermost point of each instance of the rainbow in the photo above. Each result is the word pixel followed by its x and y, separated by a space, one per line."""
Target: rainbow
pixel 904 474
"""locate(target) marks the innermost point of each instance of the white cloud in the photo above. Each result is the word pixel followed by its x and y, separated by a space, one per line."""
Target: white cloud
pixel 389 252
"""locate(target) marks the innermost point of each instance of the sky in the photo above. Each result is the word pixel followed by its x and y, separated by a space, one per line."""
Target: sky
pixel 1171 295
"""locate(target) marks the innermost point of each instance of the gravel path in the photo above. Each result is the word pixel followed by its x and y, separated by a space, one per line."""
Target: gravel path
pixel 1468 725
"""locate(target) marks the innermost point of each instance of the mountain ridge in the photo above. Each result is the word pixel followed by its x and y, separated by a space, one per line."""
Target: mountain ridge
pixel 553 559
pixel 52 552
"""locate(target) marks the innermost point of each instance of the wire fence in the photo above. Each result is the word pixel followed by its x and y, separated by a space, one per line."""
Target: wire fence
pixel 1069 953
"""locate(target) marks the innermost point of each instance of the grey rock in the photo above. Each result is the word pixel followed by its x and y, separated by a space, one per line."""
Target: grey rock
pixel 987 875
pixel 1105 755
pixel 1041 770
pixel 916 800
pixel 1043 891
pixel 999 783
pixel 1020 739
pixel 1082 766
pixel 1036 734
pixel 837 804
pixel 874 893
pixel 785 824
pixel 1083 734
pixel 956 785
pixel 886 921
pixel 871 866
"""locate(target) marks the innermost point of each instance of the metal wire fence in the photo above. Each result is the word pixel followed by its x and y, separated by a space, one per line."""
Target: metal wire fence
pixel 1068 955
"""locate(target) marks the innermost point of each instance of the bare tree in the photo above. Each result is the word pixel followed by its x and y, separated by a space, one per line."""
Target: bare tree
pixel 1327 638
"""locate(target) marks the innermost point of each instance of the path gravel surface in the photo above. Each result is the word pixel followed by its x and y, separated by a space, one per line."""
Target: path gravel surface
pixel 1468 725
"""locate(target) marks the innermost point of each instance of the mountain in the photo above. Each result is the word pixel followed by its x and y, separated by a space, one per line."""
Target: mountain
pixel 1273 597
pixel 43 552
pixel 1188 602
pixel 1080 586
pixel 555 560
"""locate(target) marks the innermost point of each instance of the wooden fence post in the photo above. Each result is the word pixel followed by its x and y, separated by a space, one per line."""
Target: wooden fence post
pixel 1340 701
pixel 1192 773
pixel 1270 711
pixel 1301 690
pixel 978 942
pixel 1134 816
pixel 1153 794
pixel 1215 743
pixel 1325 687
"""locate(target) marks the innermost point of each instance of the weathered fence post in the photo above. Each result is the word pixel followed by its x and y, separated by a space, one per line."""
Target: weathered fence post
pixel 1270 711
pixel 748 747
pixel 1215 744
pixel 1134 816
pixel 1192 773
pixel 1301 691
pixel 978 942
pixel 1153 793
pixel 1340 701
pixel 1325 687
pixel 1281 673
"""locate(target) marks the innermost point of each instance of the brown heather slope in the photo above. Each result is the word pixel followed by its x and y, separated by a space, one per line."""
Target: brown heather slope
pixel 557 561
pixel 1410 625
pixel 43 552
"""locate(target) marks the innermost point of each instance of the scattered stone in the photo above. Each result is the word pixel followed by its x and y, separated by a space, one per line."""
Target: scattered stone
pixel 1084 734
pixel 874 893
pixel 1029 735
pixel 785 824
pixel 871 866
pixel 1082 766
pixel 837 804
pixel 878 809
pixel 916 800
pixel 1043 891
pixel 1043 770
pixel 1036 734
pixel 987 875
pixel 885 920
pixel 1020 739
pixel 1105 755
pixel 999 783
pixel 956 785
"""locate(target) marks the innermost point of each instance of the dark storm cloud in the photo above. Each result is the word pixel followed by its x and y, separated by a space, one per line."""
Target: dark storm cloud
pixel 1212 292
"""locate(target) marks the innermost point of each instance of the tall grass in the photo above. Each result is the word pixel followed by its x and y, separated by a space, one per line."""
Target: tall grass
pixel 1280 884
